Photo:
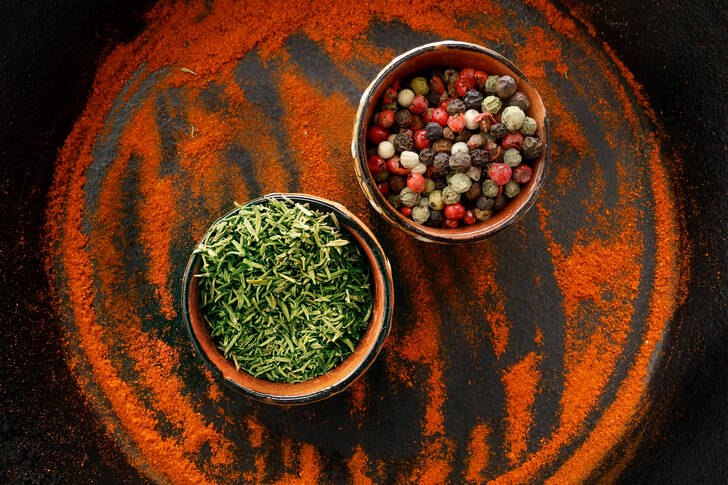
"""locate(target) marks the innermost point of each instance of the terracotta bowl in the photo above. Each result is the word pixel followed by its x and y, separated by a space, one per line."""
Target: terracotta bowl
pixel 456 55
pixel 338 378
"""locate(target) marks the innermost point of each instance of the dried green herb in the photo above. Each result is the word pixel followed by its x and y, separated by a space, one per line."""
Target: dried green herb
pixel 286 295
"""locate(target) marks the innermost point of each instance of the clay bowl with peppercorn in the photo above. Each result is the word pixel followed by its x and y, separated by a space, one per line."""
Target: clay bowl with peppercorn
pixel 338 378
pixel 451 142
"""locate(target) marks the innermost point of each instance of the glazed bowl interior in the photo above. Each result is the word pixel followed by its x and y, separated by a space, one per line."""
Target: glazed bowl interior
pixel 338 378
pixel 457 55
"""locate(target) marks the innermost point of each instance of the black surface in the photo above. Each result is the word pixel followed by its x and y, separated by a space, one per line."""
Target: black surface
pixel 48 55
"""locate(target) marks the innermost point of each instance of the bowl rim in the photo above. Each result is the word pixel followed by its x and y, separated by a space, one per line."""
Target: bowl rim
pixel 377 199
pixel 383 266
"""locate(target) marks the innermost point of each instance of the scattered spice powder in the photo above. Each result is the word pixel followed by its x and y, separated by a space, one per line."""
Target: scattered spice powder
pixel 210 41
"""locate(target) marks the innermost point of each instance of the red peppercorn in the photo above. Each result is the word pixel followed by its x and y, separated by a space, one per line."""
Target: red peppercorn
pixel 385 119
pixel 444 103
pixel 440 116
pixel 407 211
pixel 455 211
pixel 416 182
pixel 469 217
pixel 395 167
pixel 384 188
pixel 463 85
pixel 512 140
pixel 468 73
pixel 377 134
pixel 376 164
pixel 436 85
pixel 417 123
pixel 500 173
pixel 480 78
pixel 427 115
pixel 390 95
pixel 522 173
pixel 421 140
pixel 451 223
pixel 456 123
pixel 419 104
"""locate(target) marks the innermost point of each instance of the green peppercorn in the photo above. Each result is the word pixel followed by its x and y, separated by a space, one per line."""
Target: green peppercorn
pixel 485 204
pixel 473 192
pixel 420 85
pixel 409 198
pixel 419 168
pixel 391 106
pixel 460 162
pixel 403 118
pixel 449 196
pixel 435 200
pixel 490 188
pixel 505 87
pixel 491 104
pixel 420 214
pixel 532 148
pixel 519 99
pixel 403 142
pixel 478 157
pixel 397 183
pixel 450 75
pixel 395 200
pixel 482 215
pixel 429 187
pixel 456 106
pixel 498 131
pixel 460 182
pixel 513 118
pixel 427 156
pixel 441 162
pixel 424 201
pixel 500 203
pixel 490 84
pixel 511 189
pixel 529 126
pixel 512 157
pixel 442 146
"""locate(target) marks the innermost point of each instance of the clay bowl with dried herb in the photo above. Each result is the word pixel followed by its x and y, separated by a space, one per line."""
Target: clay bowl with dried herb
pixel 288 298
pixel 451 142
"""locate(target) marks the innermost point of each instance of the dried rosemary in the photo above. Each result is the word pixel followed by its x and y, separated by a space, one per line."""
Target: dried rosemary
pixel 286 295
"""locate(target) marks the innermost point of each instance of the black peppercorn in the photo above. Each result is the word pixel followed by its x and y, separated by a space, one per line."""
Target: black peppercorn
pixel 442 145
pixel 441 162
pixel 433 131
pixel 498 131
pixel 403 142
pixel 463 136
pixel 427 156
pixel 531 147
pixel 372 151
pixel 436 217
pixel 473 192
pixel 452 89
pixel 403 118
pixel 460 162
pixel 440 181
pixel 505 86
pixel 397 183
pixel 447 133
pixel 485 204
pixel 455 106
pixel 433 99
pixel 450 75
pixel 473 99
pixel 479 157
pixel 500 202
pixel 520 100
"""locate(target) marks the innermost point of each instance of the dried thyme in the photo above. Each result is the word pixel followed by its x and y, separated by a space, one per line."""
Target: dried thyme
pixel 286 295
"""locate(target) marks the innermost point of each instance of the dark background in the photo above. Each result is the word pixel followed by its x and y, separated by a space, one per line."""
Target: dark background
pixel 48 55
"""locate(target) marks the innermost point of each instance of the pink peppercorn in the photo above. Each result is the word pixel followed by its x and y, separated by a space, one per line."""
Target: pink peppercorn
pixel 469 217
pixel 440 116
pixel 419 104
pixel 468 73
pixel 384 188
pixel 417 123
pixel 421 140
pixel 377 134
pixel 456 123
pixel 522 173
pixel 385 119
pixel 455 211
pixel 436 85
pixel 451 223
pixel 416 183
pixel 480 78
pixel 512 140
pixel 396 167
pixel 463 85
pixel 377 164
pixel 500 173
pixel 407 211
